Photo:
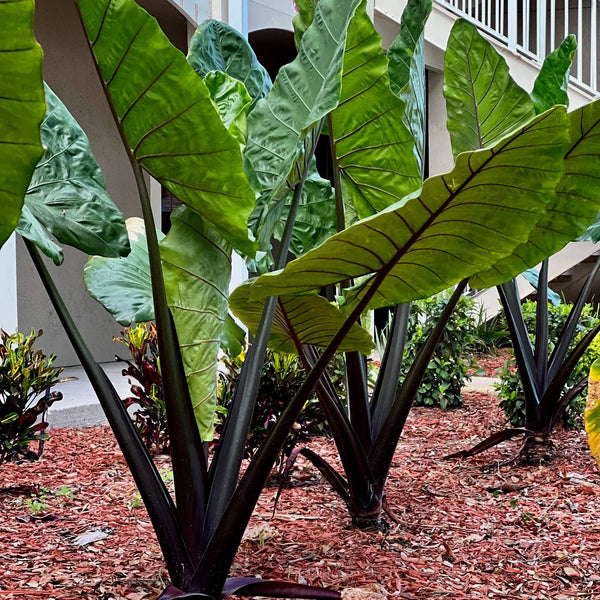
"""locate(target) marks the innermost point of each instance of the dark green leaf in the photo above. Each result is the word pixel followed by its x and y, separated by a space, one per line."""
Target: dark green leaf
pixel 304 92
pixel 306 13
pixel 67 194
pixel 551 84
pixel 123 285
pixel 233 102
pixel 215 46
pixel 407 70
pixel 233 337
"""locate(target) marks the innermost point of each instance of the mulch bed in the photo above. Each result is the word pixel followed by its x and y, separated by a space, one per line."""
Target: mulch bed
pixel 466 529
pixel 490 365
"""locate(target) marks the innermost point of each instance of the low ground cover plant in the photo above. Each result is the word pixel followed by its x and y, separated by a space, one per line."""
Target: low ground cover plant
pixel 150 413
pixel 27 376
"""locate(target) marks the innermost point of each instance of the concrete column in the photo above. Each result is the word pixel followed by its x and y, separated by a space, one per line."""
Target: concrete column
pixel 8 292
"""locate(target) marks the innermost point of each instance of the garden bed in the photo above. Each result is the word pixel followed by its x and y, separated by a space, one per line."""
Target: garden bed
pixel 465 530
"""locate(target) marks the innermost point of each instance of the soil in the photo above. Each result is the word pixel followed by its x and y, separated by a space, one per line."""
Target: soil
pixel 490 365
pixel 468 529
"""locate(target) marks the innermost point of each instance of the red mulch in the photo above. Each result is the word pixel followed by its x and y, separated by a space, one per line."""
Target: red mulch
pixel 466 530
pixel 489 365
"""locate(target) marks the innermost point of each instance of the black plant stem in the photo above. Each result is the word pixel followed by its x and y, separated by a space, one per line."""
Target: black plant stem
pixel 337 182
pixel 187 454
pixel 389 373
pixel 230 452
pixel 231 527
pixel 541 351
pixel 188 458
pixel 158 502
pixel 382 453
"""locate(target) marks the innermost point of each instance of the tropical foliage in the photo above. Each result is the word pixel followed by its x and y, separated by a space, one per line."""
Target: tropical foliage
pixel 544 371
pixel 26 379
pixel 177 127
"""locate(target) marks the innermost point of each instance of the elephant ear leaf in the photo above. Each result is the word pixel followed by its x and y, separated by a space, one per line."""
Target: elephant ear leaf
pixel 374 150
pixel 22 108
pixel 573 207
pixel 215 46
pixel 67 194
pixel 304 92
pixel 407 70
pixel 167 117
pixel 551 84
pixel 232 101
pixel 482 100
pixel 308 319
pixel 592 411
pixel 123 285
pixel 458 224
pixel 197 269
pixel 306 14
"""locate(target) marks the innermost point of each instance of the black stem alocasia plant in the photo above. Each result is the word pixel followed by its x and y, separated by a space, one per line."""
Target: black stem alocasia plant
pixel 543 373
pixel 230 161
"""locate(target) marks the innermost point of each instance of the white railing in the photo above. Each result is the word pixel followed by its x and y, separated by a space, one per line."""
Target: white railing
pixel 536 27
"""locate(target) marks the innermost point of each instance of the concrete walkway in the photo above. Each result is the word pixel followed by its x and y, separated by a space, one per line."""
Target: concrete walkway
pixel 80 407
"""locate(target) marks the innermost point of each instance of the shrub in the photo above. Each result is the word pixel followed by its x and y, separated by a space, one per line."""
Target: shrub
pixel 489 334
pixel 150 416
pixel 510 388
pixel 26 376
pixel 282 375
pixel 447 370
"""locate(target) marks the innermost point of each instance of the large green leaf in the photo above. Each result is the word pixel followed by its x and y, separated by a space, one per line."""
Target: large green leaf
pixel 407 70
pixel 167 116
pixel 551 84
pixel 123 285
pixel 315 218
pixel 215 46
pixel 197 283
pixel 67 194
pixel 232 101
pixel 304 92
pixel 29 227
pixel 22 108
pixel 374 150
pixel 310 319
pixel 483 101
pixel 306 13
pixel 574 206
pixel 458 224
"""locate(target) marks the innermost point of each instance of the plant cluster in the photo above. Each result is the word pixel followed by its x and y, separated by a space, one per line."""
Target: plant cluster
pixel 510 386
pixel 150 414
pixel 489 333
pixel 448 368
pixel 281 378
pixel 26 378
